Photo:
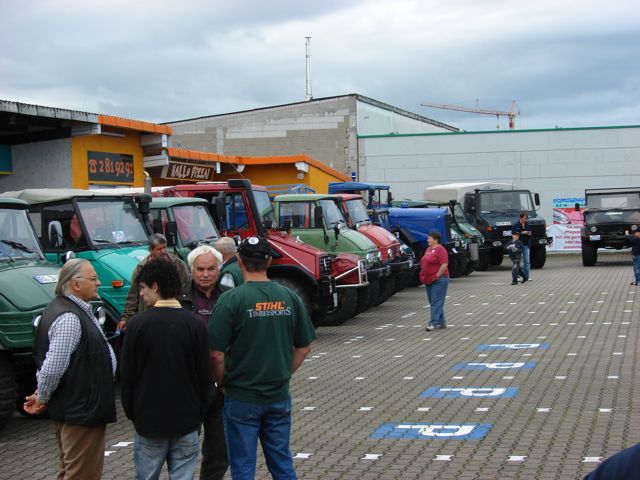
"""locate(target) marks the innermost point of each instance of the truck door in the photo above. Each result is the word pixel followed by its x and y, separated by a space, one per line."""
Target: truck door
pixel 237 221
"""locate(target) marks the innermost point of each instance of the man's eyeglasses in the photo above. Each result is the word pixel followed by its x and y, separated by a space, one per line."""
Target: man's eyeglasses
pixel 91 279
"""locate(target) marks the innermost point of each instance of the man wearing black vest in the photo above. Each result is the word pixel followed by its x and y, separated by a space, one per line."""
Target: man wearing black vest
pixel 75 373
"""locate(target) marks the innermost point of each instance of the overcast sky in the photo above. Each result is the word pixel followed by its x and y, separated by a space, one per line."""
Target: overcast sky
pixel 566 63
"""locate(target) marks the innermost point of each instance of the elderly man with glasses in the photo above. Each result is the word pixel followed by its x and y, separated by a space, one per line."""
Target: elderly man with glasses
pixel 75 373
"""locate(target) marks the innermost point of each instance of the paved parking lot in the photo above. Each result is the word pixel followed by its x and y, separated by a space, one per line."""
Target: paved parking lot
pixel 535 381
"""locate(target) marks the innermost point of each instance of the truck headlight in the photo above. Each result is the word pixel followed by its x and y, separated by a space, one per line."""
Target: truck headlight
pixel 497 244
pixel 594 229
pixel 370 257
pixel 634 227
pixel 390 252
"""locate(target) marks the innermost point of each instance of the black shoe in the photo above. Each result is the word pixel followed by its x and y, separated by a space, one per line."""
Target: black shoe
pixel 525 280
pixel 635 283
pixel 441 326
pixel 430 326
pixel 514 283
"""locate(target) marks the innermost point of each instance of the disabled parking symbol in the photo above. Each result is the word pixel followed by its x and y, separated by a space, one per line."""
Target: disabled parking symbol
pixel 427 431
pixel 495 366
pixel 470 392
pixel 514 346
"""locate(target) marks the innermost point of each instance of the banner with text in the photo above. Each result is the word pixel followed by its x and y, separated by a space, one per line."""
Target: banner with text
pixel 566 226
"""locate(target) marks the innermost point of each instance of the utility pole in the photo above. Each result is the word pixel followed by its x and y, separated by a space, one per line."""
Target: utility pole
pixel 308 95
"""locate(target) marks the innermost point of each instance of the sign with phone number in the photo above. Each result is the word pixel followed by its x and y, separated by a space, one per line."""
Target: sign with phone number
pixel 110 167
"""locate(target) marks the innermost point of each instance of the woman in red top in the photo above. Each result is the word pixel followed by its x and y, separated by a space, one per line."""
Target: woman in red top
pixel 435 275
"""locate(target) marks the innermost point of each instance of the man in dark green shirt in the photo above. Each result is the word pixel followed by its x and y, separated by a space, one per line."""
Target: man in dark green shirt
pixel 230 275
pixel 259 334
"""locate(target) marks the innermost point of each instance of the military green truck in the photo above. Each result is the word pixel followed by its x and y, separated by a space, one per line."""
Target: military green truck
pixel 107 230
pixel 317 220
pixel 608 214
pixel 27 283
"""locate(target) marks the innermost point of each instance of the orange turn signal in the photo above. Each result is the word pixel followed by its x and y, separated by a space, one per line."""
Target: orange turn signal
pixel 488 228
pixel 117 283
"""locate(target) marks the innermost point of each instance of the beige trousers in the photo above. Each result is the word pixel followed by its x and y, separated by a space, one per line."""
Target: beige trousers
pixel 81 451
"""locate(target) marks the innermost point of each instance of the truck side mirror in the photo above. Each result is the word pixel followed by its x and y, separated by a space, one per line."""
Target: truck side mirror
pixel 336 231
pixel 577 207
pixel 452 204
pixel 55 234
pixel 536 199
pixel 318 216
pixel 221 209
pixel 157 225
pixel 287 224
pixel 171 233
pixel 267 224
pixel 389 198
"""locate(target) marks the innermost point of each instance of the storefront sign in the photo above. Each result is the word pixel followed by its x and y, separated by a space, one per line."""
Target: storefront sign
pixel 110 167
pixel 429 431
pixel 188 171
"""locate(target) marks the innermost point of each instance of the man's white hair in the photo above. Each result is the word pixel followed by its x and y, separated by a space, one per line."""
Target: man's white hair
pixel 226 246
pixel 203 250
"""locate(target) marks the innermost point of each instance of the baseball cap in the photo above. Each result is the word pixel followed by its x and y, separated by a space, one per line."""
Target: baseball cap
pixel 255 247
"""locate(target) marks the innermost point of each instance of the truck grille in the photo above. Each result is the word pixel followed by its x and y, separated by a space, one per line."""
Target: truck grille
pixel 325 266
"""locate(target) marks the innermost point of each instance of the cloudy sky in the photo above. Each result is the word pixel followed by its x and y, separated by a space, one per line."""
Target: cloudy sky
pixel 566 63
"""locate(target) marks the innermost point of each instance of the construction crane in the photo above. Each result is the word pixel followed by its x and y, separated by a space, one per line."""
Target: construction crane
pixel 511 114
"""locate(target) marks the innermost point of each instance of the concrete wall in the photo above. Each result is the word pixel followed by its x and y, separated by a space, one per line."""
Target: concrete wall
pixel 319 129
pixel 557 163
pixel 39 165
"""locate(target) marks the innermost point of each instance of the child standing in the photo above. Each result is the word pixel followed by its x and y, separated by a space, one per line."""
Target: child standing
pixel 634 240
pixel 514 247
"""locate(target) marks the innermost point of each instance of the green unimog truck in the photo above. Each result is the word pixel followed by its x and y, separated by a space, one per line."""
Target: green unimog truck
pixel 27 283
pixel 317 220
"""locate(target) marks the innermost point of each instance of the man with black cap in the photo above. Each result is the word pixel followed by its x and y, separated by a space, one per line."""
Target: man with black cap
pixel 259 334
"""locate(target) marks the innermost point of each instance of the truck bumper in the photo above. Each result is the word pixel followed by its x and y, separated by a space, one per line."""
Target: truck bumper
pixel 401 265
pixel 378 273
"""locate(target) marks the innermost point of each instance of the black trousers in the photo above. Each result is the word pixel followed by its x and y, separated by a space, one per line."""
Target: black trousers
pixel 214 448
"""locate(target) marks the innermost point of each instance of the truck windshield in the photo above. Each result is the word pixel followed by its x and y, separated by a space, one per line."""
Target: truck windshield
pixel 459 214
pixel 357 211
pixel 331 213
pixel 265 209
pixel 614 200
pixel 194 224
pixel 111 222
pixel 506 201
pixel 17 239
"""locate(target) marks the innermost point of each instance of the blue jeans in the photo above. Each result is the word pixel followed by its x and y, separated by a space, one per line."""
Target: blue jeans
pixel 436 294
pixel 517 270
pixel 636 267
pixel 246 423
pixel 526 260
pixel 180 453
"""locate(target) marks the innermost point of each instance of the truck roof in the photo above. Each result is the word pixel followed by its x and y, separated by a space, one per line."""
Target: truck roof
pixel 13 203
pixel 163 202
pixel 302 197
pixel 335 187
pixel 46 195
pixel 454 191
pixel 206 186
pixel 599 191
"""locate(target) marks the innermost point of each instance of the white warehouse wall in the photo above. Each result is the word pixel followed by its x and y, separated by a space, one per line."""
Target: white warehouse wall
pixel 558 163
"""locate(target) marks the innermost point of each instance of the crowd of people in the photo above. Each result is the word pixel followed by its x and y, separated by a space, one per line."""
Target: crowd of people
pixel 208 350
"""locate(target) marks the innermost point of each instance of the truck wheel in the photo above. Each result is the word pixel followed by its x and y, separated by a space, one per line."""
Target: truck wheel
pixel 385 290
pixel 454 266
pixel 347 303
pixel 8 395
pixel 538 257
pixel 589 254
pixel 469 269
pixel 374 293
pixel 496 257
pixel 483 263
pixel 389 286
pixel 290 284
pixel 362 303
pixel 414 279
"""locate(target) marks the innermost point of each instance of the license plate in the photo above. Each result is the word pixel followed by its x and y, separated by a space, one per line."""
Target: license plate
pixel 593 238
pixel 506 233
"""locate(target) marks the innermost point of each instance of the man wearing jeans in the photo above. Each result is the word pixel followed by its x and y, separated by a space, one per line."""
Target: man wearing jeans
pixel 259 334
pixel 166 376
pixel 524 229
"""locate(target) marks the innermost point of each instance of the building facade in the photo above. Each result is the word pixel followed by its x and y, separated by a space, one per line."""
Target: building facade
pixel 325 129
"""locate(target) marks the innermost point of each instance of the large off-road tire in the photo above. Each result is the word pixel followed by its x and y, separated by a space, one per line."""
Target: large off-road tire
pixel 389 286
pixel 414 279
pixel 589 254
pixel 538 257
pixel 469 269
pixel 362 303
pixel 385 290
pixel 496 257
pixel 8 395
pixel 347 303
pixel 374 293
pixel 304 296
pixel 483 263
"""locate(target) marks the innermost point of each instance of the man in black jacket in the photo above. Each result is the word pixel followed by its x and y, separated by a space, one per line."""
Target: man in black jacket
pixel 205 262
pixel 166 376
pixel 75 373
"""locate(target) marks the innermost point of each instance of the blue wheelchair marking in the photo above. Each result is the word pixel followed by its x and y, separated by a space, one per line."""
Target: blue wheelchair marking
pixel 514 346
pixel 429 431
pixel 495 366
pixel 470 392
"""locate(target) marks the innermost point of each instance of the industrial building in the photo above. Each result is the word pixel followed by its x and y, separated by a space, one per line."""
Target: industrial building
pixel 326 129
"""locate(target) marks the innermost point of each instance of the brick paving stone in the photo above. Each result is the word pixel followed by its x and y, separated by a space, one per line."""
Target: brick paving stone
pixel 337 433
